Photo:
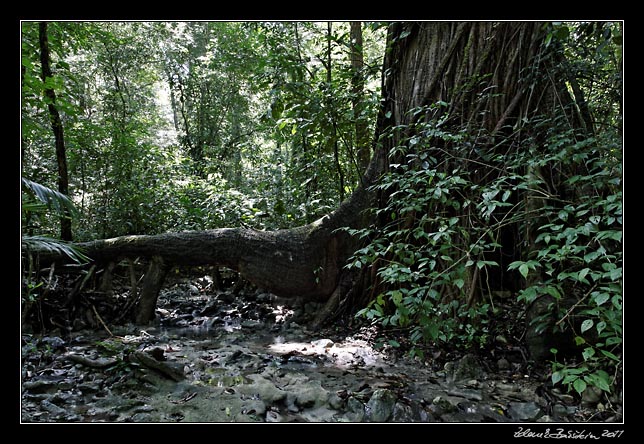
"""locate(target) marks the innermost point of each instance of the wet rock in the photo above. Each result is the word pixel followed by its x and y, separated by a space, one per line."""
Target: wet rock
pixel 311 394
pixel 412 412
pixel 466 368
pixel 318 414
pixel 441 405
pixel 264 389
pixel 54 342
pixel 381 405
pixel 254 407
pixel 335 401
pixel 272 416
pixel 559 411
pixel 476 395
pixel 503 364
pixel 51 407
pixel 481 412
pixel 546 418
pixel 40 386
pixel 356 409
pixel 524 411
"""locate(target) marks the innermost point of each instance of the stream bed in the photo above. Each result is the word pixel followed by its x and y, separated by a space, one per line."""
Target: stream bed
pixel 214 357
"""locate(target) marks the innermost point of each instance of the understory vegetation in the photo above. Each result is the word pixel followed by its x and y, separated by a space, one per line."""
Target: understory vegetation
pixel 269 125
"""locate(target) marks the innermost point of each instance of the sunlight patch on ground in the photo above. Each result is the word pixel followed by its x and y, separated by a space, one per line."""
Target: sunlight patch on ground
pixel 345 354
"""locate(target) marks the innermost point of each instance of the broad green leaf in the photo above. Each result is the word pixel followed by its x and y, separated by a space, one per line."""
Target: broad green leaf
pixel 588 353
pixel 523 269
pixel 579 385
pixel 459 283
pixel 557 376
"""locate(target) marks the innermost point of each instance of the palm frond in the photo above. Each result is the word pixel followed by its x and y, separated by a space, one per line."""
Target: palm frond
pixel 56 246
pixel 55 200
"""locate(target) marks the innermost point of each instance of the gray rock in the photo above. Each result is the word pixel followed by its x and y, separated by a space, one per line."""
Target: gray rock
pixel 503 364
pixel 441 405
pixel 311 394
pixel 263 388
pixel 475 395
pixel 524 411
pixel 272 416
pixel 412 412
pixel 466 368
pixel 39 386
pixel 491 414
pixel 381 405
pixel 254 407
pixel 335 401
pixel 54 342
pixel 356 408
pixel 51 407
pixel 545 418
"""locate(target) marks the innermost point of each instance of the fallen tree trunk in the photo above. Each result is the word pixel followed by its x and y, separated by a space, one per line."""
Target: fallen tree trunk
pixel 305 261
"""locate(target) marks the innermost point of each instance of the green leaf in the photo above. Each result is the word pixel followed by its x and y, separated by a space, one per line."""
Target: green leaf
pixel 600 327
pixel 523 269
pixel 579 385
pixel 588 353
pixel 557 376
pixel 579 340
pixel 601 298
pixel 459 283
pixel 587 325
pixel 610 355
pixel 394 343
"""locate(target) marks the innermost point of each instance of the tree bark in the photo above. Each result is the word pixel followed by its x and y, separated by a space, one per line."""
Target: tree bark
pixel 357 90
pixel 56 126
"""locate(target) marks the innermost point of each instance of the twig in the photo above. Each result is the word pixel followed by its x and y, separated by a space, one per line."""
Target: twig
pixel 575 306
pixel 101 320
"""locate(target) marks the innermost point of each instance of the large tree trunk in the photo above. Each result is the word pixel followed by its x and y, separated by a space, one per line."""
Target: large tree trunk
pixel 426 63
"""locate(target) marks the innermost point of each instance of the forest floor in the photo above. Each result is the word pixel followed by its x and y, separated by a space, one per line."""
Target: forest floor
pixel 217 357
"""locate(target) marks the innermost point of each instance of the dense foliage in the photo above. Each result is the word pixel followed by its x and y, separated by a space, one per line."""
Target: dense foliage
pixel 195 125
pixel 541 216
